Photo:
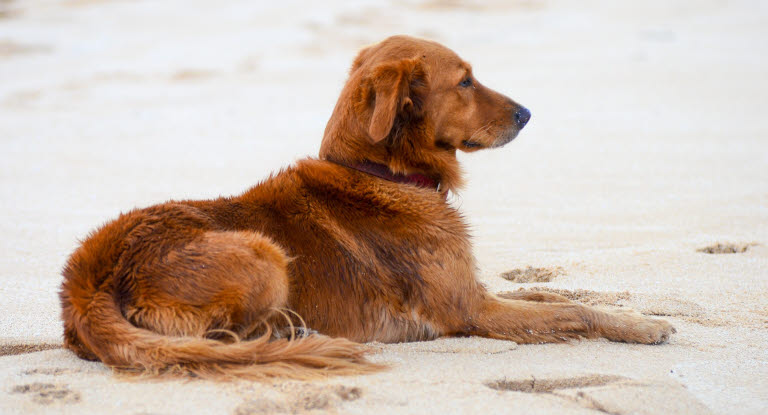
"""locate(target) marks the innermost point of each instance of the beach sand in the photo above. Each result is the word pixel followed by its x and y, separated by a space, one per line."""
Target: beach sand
pixel 640 182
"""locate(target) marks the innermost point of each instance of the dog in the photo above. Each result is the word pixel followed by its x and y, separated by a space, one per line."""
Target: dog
pixel 359 245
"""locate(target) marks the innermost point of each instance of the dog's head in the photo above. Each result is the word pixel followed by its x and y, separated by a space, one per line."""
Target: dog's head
pixel 410 104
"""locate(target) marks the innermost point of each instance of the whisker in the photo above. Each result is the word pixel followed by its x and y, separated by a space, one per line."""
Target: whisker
pixel 481 130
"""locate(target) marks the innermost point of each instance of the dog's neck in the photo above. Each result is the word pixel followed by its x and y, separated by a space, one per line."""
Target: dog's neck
pixel 408 154
pixel 383 172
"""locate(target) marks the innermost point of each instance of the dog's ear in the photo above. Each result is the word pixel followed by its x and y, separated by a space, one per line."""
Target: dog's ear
pixel 389 89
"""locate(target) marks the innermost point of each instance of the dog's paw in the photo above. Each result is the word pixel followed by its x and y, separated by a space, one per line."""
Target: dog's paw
pixel 632 327
pixel 656 331
pixel 305 332
pixel 294 332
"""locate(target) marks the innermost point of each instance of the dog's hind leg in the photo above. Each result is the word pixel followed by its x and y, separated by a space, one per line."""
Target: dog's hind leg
pixel 543 322
pixel 218 284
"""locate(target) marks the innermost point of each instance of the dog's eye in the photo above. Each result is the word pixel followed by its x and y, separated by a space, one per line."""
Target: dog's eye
pixel 466 82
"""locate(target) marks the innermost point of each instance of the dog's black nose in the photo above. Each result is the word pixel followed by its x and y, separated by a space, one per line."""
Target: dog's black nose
pixel 522 116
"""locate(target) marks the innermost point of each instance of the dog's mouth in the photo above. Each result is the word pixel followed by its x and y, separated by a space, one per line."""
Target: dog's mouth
pixel 505 137
pixel 500 141
pixel 471 144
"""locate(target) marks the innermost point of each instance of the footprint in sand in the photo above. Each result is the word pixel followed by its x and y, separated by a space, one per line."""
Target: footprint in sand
pixel 261 406
pixel 50 371
pixel 534 385
pixel 300 399
pixel 531 274
pixel 14 349
pixel 48 393
pixel 726 248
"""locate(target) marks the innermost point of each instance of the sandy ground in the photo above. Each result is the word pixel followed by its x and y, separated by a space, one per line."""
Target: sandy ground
pixel 648 142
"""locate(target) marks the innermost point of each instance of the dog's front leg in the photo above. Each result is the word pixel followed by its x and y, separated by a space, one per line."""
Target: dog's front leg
pixel 544 322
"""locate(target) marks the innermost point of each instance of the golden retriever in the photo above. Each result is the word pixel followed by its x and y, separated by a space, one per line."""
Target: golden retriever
pixel 359 245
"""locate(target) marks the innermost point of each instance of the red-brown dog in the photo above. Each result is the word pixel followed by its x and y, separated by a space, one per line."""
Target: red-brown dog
pixel 361 244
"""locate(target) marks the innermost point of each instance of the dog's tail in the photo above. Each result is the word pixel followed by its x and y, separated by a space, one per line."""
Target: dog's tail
pixel 105 332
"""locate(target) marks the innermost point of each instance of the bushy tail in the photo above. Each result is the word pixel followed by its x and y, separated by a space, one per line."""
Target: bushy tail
pixel 132 350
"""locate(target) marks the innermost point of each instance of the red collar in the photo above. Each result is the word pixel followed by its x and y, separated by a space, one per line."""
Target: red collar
pixel 383 172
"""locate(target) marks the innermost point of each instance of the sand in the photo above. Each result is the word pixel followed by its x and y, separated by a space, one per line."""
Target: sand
pixel 640 182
